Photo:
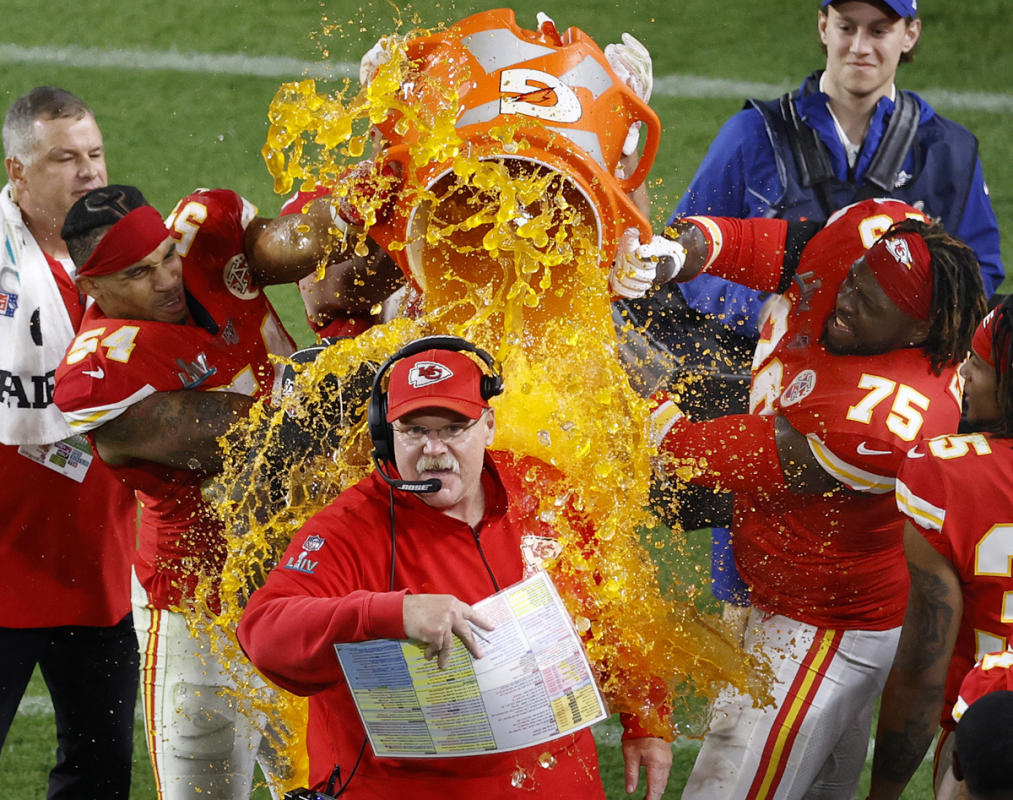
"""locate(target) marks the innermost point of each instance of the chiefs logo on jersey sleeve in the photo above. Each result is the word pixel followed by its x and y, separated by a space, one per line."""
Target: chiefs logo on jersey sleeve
pixel 800 388
pixel 238 279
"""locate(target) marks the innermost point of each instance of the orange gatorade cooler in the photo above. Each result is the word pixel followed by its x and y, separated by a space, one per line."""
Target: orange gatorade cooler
pixel 529 185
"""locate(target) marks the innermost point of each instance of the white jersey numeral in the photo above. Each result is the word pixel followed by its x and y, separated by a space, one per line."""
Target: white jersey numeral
pixel 118 344
pixel 905 419
pixel 959 444
pixel 186 221
pixel 993 556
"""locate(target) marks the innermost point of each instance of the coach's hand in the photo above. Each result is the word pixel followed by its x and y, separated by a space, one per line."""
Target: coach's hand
pixel 434 620
pixel 655 756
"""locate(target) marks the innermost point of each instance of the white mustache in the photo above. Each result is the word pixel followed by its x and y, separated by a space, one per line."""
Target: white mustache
pixel 431 463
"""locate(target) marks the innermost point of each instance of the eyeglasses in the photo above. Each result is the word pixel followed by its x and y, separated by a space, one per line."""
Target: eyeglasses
pixel 416 434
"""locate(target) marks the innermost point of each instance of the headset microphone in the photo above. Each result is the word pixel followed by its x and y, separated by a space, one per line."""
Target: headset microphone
pixel 419 487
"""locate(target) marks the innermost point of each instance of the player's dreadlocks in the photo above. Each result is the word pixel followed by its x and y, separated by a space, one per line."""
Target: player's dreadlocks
pixel 1002 357
pixel 958 295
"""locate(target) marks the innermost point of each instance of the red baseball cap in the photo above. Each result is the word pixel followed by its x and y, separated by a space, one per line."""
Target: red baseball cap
pixel 435 379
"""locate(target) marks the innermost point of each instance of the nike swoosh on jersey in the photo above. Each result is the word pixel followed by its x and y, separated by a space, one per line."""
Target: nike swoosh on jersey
pixel 98 374
pixel 864 450
pixel 913 453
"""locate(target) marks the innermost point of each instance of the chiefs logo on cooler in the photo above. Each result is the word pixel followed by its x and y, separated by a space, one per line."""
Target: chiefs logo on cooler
pixel 537 94
pixel 426 373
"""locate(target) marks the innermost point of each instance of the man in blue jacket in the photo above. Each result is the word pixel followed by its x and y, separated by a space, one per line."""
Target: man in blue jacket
pixel 860 146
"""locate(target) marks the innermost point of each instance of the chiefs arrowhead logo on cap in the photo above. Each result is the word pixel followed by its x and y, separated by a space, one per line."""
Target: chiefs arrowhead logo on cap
pixel 435 378
pixel 425 373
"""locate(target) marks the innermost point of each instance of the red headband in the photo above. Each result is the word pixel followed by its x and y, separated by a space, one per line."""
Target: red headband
pixel 902 266
pixel 135 236
pixel 982 341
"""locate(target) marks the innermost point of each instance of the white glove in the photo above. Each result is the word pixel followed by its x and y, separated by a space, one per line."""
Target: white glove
pixel 636 265
pixel 375 57
pixel 631 63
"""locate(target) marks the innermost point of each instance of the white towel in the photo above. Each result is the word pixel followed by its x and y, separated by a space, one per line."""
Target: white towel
pixel 35 330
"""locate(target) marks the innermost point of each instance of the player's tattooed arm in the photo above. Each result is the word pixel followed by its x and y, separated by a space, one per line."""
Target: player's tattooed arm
pixel 179 429
pixel 913 697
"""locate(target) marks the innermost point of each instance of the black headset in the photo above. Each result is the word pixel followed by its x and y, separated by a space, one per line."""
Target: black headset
pixel 381 431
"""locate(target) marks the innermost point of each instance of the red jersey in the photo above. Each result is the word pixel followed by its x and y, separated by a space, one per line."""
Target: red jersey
pixel 333 584
pixel 114 363
pixel 958 491
pixel 836 560
pixel 993 672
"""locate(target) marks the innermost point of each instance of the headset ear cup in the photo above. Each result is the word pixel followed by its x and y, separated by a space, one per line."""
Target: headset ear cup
pixel 491 386
pixel 380 431
pixel 388 442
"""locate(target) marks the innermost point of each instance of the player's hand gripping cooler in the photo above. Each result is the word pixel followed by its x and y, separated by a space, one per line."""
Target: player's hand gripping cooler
pixel 549 110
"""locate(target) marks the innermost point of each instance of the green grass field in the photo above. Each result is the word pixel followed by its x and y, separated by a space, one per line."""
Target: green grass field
pixel 181 90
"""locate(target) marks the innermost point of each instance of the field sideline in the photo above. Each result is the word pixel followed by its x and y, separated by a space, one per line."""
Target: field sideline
pixel 286 68
pixel 181 89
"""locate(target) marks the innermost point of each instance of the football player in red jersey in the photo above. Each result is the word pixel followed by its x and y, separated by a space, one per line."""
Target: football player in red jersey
pixel 856 361
pixel 175 349
pixel 957 493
